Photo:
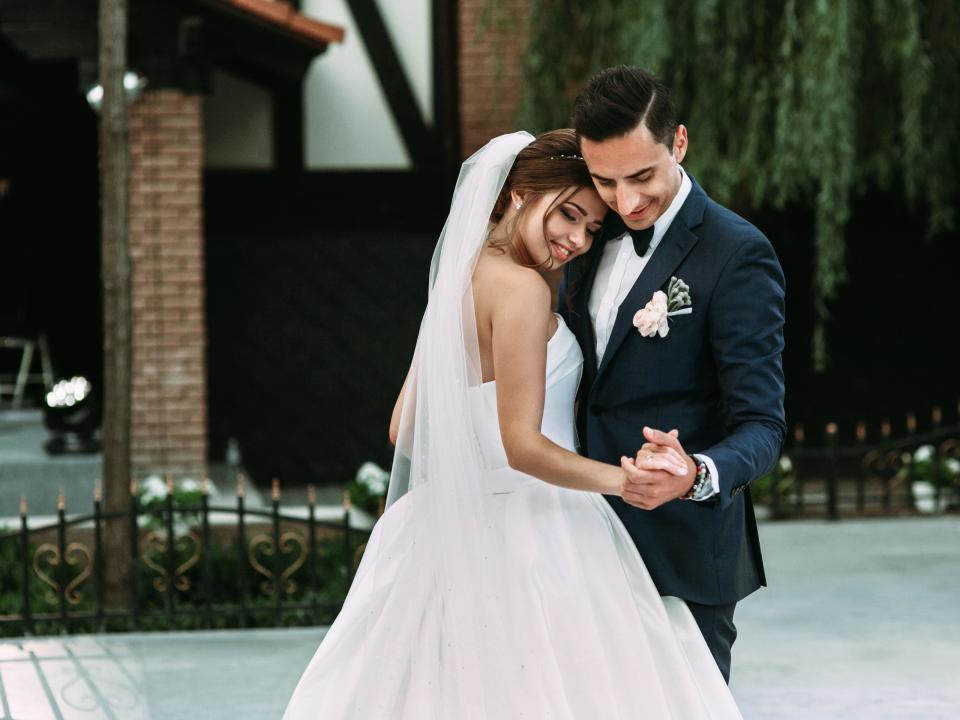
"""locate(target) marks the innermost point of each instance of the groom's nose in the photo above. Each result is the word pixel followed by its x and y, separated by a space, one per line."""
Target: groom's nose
pixel 626 200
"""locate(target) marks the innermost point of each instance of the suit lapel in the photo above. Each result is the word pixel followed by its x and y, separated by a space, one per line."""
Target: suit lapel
pixel 581 300
pixel 673 248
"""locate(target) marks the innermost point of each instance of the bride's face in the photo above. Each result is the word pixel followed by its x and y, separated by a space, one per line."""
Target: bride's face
pixel 564 232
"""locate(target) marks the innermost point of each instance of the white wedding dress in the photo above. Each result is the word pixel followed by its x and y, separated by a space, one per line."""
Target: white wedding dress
pixel 570 625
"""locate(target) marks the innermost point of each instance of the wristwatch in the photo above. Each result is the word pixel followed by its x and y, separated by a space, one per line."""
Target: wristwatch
pixel 702 480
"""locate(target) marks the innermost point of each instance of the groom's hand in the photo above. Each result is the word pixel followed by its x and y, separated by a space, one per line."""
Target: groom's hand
pixel 661 472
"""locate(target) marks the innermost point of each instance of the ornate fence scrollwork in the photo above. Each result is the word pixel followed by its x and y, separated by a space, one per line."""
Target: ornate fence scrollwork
pixel 290 541
pixel 75 553
pixel 884 466
pixel 156 542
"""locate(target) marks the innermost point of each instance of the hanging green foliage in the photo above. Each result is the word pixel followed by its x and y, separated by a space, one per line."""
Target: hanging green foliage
pixel 787 101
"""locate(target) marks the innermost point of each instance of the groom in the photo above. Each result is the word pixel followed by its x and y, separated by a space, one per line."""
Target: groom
pixel 702 359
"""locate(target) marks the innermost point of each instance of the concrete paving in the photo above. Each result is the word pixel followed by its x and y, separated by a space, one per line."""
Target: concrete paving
pixel 861 622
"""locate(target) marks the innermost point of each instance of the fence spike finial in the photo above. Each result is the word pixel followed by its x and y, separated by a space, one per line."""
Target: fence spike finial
pixel 832 428
pixel 239 484
pixel 133 487
pixel 169 479
pixel 861 431
pixel 885 428
pixel 275 489
pixel 23 506
pixel 798 433
pixel 96 491
pixel 311 494
pixel 205 485
pixel 61 500
pixel 346 500
pixel 911 422
pixel 936 415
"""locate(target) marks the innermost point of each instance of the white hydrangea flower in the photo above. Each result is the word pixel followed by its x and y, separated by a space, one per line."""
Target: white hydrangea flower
pixel 373 477
pixel 786 465
pixel 952 466
pixel 189 485
pixel 924 453
pixel 153 488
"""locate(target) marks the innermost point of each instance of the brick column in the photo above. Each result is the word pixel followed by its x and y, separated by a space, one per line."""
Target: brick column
pixel 491 80
pixel 169 420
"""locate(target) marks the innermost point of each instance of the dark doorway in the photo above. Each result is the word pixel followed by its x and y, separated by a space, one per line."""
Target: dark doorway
pixel 49 214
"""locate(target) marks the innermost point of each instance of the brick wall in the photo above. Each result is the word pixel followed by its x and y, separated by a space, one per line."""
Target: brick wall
pixel 490 73
pixel 169 420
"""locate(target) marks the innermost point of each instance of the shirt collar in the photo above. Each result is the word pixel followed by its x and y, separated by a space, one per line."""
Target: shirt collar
pixel 663 222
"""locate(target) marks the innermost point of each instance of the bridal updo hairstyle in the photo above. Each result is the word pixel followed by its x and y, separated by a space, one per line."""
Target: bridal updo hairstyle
pixel 618 99
pixel 550 163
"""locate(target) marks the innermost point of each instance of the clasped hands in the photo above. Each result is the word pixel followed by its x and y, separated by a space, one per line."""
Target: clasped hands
pixel 660 472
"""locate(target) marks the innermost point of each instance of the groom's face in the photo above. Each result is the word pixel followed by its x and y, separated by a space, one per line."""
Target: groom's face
pixel 635 174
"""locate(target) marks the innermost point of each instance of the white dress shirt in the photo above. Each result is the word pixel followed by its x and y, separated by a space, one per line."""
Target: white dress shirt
pixel 617 273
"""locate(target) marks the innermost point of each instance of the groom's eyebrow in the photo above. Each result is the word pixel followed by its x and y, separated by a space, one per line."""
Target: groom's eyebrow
pixel 638 173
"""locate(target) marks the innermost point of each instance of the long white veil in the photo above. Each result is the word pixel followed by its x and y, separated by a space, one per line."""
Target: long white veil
pixel 438 466
pixel 446 361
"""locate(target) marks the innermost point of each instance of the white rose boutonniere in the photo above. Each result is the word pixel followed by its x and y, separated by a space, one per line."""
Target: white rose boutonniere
pixel 653 318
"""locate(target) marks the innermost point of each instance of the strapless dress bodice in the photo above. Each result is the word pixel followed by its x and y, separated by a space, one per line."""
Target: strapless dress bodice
pixel 564 366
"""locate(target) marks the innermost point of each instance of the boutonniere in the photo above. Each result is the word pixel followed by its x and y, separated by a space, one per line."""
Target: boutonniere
pixel 653 318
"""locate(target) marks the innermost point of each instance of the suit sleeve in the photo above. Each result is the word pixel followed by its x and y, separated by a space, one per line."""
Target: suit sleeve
pixel 746 319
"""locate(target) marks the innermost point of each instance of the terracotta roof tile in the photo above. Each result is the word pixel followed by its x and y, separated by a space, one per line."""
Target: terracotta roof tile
pixel 282 15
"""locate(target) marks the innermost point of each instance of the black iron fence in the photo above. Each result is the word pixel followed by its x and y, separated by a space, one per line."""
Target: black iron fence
pixel 192 563
pixel 180 565
pixel 861 476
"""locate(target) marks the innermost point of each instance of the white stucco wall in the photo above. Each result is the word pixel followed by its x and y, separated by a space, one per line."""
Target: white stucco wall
pixel 347 121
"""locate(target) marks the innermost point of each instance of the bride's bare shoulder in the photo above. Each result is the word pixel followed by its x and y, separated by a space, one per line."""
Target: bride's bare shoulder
pixel 499 282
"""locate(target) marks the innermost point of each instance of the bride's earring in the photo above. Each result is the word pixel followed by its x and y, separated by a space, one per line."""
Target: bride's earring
pixel 519 204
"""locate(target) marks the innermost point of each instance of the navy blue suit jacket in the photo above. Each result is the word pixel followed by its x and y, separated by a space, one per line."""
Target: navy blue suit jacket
pixel 717 377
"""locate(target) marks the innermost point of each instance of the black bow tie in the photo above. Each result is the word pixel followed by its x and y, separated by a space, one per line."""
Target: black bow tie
pixel 614 227
pixel 641 240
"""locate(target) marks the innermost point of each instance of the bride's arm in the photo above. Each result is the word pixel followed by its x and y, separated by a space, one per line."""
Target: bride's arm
pixel 521 321
pixel 398 409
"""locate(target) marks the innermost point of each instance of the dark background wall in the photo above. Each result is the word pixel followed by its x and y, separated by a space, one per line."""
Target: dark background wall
pixel 310 336
pixel 311 331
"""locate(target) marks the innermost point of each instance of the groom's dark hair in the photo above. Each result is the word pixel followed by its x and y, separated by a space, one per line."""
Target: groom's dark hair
pixel 618 99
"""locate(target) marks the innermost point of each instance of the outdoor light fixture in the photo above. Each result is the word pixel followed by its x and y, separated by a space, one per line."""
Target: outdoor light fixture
pixel 133 85
pixel 72 415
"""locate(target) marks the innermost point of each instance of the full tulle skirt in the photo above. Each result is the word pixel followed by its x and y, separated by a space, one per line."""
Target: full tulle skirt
pixel 577 629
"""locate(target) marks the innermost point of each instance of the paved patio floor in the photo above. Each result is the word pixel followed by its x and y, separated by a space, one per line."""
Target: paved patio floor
pixel 861 622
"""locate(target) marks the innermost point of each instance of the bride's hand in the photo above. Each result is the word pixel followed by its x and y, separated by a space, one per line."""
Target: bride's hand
pixel 661 457
pixel 661 472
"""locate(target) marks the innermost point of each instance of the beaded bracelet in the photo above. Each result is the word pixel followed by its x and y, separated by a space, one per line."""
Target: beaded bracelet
pixel 703 477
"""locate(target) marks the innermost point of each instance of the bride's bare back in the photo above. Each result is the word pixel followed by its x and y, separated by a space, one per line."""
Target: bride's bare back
pixel 503 288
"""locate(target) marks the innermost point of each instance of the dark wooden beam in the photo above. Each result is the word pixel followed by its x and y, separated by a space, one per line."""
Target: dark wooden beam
pixel 288 127
pixel 417 137
pixel 446 90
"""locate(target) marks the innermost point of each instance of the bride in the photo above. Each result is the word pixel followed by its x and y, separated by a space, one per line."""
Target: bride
pixel 499 584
